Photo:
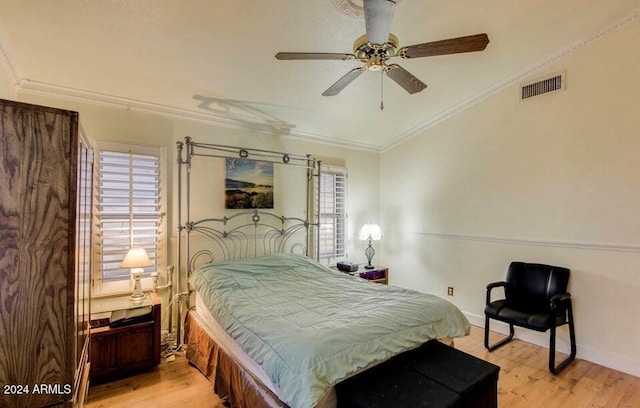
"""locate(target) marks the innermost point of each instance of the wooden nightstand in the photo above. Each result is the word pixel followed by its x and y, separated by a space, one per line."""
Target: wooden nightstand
pixel 118 351
pixel 379 274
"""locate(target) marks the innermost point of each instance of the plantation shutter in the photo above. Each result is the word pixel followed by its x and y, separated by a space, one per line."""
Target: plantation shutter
pixel 128 209
pixel 332 213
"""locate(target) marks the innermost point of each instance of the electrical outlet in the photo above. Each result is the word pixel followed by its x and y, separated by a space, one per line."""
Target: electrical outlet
pixel 450 291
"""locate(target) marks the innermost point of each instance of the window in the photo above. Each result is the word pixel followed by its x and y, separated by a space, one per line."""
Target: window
pixel 129 208
pixel 332 213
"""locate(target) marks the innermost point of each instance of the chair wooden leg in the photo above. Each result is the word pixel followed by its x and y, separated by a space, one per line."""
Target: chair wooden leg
pixel 552 346
pixel 500 342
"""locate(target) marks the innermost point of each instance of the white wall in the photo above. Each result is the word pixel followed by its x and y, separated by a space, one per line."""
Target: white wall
pixel 555 179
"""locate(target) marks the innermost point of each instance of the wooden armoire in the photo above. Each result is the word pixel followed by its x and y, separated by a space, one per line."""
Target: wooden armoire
pixel 45 256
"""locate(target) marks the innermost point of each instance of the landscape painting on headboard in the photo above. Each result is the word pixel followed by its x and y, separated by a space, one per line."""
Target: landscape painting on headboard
pixel 248 184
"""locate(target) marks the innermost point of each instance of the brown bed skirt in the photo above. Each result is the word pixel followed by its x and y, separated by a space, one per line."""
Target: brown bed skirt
pixel 230 380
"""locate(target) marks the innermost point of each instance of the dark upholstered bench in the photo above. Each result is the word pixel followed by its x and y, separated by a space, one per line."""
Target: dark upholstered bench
pixel 433 375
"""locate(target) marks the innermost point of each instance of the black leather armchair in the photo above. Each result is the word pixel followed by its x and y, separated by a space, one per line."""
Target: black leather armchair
pixel 536 298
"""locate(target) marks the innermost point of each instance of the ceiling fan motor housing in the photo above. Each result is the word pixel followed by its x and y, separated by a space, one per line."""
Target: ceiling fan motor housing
pixel 375 55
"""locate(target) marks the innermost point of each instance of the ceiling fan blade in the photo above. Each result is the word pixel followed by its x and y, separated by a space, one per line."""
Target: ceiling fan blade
pixel 378 15
pixel 405 79
pixel 343 82
pixel 458 45
pixel 313 56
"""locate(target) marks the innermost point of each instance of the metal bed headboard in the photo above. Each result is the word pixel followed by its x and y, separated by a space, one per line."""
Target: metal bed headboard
pixel 248 234
pixel 236 234
pixel 245 233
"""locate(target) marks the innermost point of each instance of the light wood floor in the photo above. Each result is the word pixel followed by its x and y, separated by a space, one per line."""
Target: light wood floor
pixel 524 382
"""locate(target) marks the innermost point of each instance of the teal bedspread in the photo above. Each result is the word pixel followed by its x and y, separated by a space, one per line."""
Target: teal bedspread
pixel 310 327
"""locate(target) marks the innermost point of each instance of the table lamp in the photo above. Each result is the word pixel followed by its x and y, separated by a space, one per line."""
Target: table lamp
pixel 136 259
pixel 370 232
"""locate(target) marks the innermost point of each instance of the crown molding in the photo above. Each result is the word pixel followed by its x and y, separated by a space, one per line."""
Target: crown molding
pixel 517 77
pixel 29 86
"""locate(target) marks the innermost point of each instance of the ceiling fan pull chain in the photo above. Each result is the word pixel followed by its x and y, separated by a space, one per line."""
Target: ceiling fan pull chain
pixel 381 92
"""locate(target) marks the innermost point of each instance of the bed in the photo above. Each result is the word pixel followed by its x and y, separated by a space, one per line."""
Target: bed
pixel 308 326
pixel 269 325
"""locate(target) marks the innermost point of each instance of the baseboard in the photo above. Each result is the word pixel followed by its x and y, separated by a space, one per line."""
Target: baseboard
pixel 605 358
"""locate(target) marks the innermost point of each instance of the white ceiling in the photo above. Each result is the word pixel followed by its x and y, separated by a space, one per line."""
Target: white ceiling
pixel 214 60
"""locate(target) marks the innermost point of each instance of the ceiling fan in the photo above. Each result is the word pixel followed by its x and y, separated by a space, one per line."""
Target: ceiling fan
pixel 378 45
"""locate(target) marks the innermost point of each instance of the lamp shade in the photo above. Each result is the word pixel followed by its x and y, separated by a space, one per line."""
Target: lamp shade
pixel 136 258
pixel 370 231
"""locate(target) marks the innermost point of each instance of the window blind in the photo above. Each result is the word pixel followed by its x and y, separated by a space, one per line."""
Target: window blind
pixel 128 209
pixel 332 213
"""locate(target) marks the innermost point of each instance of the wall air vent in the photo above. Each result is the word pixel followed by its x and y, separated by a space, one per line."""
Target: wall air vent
pixel 539 87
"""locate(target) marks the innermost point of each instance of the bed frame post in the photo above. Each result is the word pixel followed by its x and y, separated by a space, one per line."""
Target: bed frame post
pixel 179 146
pixel 180 293
pixel 311 166
pixel 189 145
pixel 181 161
pixel 318 215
